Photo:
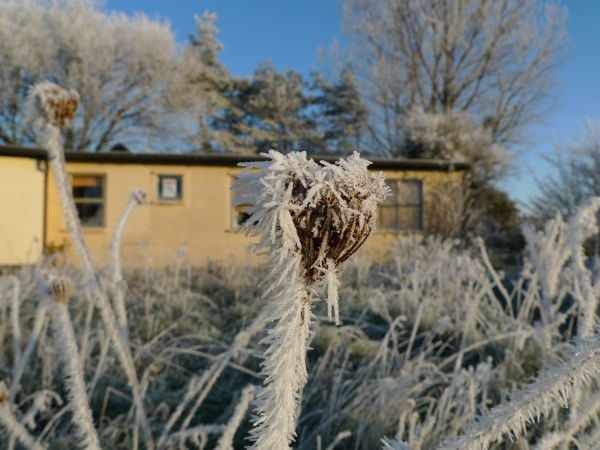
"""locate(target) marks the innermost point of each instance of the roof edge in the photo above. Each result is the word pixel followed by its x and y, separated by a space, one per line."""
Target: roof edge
pixel 223 160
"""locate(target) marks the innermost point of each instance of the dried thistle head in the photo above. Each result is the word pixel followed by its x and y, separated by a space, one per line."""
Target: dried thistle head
pixel 3 392
pixel 61 289
pixel 49 102
pixel 322 211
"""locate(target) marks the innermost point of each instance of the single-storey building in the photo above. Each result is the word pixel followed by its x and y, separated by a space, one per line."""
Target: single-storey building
pixel 189 205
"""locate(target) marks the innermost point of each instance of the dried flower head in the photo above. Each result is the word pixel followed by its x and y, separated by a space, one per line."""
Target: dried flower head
pixel 49 102
pixel 323 211
pixel 3 392
pixel 61 289
pixel 139 196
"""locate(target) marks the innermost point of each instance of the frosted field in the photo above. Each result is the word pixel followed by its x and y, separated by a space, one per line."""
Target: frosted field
pixel 428 342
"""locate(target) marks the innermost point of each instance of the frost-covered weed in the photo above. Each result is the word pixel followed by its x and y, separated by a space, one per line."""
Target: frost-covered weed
pixel 310 218
pixel 388 370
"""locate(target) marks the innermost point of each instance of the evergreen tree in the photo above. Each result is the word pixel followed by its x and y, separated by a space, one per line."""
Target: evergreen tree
pixel 277 106
pixel 341 115
pixel 205 86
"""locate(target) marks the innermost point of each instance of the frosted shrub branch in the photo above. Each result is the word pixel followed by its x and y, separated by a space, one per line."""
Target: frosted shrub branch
pixel 310 218
pixel 50 108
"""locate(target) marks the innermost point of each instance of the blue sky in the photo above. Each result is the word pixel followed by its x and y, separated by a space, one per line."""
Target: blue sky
pixel 289 32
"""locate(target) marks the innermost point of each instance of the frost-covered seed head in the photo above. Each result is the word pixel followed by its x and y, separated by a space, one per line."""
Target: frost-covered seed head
pixel 332 207
pixel 49 102
pixel 61 289
pixel 139 196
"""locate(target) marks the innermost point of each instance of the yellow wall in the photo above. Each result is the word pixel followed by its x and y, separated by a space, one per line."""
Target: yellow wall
pixel 201 221
pixel 155 231
pixel 380 242
pixel 21 210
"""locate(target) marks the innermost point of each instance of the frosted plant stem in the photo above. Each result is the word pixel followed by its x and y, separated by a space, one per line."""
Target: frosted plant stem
pixel 73 374
pixel 11 423
pixel 136 197
pixel 57 164
pixel 413 333
pixel 339 438
pixel 199 430
pixel 551 390
pixel 199 388
pixel 226 440
pixel 85 339
pixel 38 324
pixel 310 217
pixel 284 366
pixel 495 277
pixel 394 444
pixel 15 308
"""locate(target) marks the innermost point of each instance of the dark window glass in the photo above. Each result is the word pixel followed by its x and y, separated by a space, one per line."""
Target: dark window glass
pixel 170 187
pixel 88 194
pixel 403 209
pixel 240 216
pixel 91 214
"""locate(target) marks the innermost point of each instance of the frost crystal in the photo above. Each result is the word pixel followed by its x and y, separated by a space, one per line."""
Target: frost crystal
pixel 321 212
pixel 48 101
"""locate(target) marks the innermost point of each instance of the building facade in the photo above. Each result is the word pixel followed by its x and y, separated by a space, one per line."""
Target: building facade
pixel 190 205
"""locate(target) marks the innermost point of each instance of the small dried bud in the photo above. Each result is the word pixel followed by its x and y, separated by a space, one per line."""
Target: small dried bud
pixel 3 392
pixel 61 290
pixel 139 196
pixel 50 102
pixel 154 370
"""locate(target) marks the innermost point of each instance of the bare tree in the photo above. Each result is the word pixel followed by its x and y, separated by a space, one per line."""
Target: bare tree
pixel 492 59
pixel 575 177
pixel 122 64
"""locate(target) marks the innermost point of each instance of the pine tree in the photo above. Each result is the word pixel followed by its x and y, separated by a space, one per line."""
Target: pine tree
pixel 205 85
pixel 341 114
pixel 277 106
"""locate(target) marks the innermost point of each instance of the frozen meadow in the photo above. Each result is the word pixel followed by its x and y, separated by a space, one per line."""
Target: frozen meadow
pixel 432 349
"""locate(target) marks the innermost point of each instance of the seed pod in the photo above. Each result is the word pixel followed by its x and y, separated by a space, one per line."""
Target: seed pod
pixel 3 392
pixel 61 290
pixel 50 102
pixel 139 196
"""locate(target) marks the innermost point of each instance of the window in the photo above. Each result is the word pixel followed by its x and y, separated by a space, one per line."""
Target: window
pixel 170 187
pixel 403 209
pixel 88 194
pixel 239 215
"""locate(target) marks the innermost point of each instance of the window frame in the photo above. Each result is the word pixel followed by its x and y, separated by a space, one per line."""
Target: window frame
pixel 233 213
pixel 159 197
pixel 80 200
pixel 398 205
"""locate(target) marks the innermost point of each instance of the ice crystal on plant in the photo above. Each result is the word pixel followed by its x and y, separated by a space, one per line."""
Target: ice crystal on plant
pixel 321 212
pixel 310 218
pixel 48 101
